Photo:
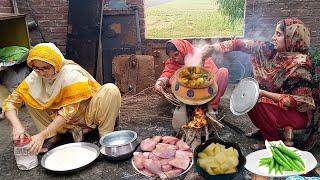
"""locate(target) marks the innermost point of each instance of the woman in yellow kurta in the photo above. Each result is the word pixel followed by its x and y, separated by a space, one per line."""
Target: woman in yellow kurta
pixel 60 96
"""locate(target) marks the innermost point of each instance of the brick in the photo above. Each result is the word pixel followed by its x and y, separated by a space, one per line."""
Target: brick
pixel 44 23
pixel 51 16
pixel 46 10
pixel 56 35
pixel 62 9
pixel 5 3
pixel 58 29
pixel 61 22
pixel 52 3
pixel 37 3
pixel 6 10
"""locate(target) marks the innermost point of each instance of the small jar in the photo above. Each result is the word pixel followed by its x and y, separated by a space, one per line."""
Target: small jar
pixel 24 160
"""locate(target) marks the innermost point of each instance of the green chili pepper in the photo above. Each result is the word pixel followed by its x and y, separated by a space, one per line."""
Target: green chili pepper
pixel 282 156
pixel 292 165
pixel 265 159
pixel 276 169
pixel 271 165
pixel 291 154
pixel 262 163
pixel 298 164
pixel 280 169
pixel 277 157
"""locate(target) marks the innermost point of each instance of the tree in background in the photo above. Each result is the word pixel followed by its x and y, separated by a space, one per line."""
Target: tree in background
pixel 234 9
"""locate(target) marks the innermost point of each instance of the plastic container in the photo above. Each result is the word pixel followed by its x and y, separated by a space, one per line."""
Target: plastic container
pixel 24 160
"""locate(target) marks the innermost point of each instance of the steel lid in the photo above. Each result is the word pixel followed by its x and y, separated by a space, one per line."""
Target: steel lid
pixel 244 96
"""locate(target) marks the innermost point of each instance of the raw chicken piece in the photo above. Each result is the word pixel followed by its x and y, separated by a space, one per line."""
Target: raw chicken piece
pixel 164 161
pixel 154 166
pixel 137 153
pixel 146 172
pixel 183 154
pixel 164 153
pixel 138 159
pixel 166 167
pixel 173 173
pixel 146 154
pixel 169 140
pixel 180 163
pixel 153 156
pixel 182 145
pixel 148 144
pixel 156 138
pixel 166 146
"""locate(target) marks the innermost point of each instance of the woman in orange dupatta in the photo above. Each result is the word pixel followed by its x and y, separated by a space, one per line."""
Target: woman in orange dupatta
pixel 60 96
pixel 284 72
pixel 178 50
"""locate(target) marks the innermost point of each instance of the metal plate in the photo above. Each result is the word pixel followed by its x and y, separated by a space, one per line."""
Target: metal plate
pixel 184 172
pixel 89 146
pixel 244 96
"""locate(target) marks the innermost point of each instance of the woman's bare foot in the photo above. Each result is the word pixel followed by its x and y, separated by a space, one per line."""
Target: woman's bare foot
pixel 78 132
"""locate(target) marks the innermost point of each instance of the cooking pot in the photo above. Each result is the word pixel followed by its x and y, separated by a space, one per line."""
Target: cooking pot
pixel 197 95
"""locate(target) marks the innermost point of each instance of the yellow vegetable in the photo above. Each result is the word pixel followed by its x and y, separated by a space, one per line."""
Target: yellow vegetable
pixel 216 159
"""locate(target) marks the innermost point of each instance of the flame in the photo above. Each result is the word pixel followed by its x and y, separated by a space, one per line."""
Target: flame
pixel 199 119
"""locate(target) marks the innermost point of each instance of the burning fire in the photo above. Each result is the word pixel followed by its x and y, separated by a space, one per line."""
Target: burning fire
pixel 199 119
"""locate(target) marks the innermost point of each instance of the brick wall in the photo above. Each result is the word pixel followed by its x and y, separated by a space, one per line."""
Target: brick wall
pixel 52 17
pixel 261 17
pixel 5 6
pixel 140 5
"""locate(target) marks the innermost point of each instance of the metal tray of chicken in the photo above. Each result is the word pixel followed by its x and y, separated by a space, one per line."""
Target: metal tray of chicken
pixel 156 176
pixel 147 175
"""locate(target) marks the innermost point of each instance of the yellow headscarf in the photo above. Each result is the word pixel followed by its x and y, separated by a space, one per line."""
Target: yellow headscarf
pixel 71 83
pixel 48 53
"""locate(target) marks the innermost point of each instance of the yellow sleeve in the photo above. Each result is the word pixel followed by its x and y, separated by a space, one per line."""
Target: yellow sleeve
pixel 13 102
pixel 68 112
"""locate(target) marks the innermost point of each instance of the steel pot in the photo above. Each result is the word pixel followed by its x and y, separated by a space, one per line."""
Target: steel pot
pixel 118 145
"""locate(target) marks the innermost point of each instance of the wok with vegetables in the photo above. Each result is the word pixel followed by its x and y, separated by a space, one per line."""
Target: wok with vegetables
pixel 195 77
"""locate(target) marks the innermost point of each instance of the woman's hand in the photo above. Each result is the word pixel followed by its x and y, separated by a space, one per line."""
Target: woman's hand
pixel 208 50
pixel 262 93
pixel 36 143
pixel 18 133
pixel 159 86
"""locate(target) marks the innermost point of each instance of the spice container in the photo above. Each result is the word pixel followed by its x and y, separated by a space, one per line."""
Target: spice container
pixel 24 160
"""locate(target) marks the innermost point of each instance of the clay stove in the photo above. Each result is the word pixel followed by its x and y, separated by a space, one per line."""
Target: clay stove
pixel 191 115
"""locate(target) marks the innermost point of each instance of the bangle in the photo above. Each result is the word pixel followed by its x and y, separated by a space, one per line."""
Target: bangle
pixel 163 80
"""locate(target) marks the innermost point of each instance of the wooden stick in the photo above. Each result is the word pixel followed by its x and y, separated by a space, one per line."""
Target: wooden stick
pixel 215 121
pixel 207 132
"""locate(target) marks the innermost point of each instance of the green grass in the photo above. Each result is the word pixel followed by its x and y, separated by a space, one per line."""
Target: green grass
pixel 189 18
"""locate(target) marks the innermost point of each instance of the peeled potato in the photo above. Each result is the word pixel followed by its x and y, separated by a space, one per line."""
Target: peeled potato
pixel 216 159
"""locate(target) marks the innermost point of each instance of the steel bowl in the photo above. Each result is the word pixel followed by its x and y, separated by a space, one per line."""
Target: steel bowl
pixel 118 145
